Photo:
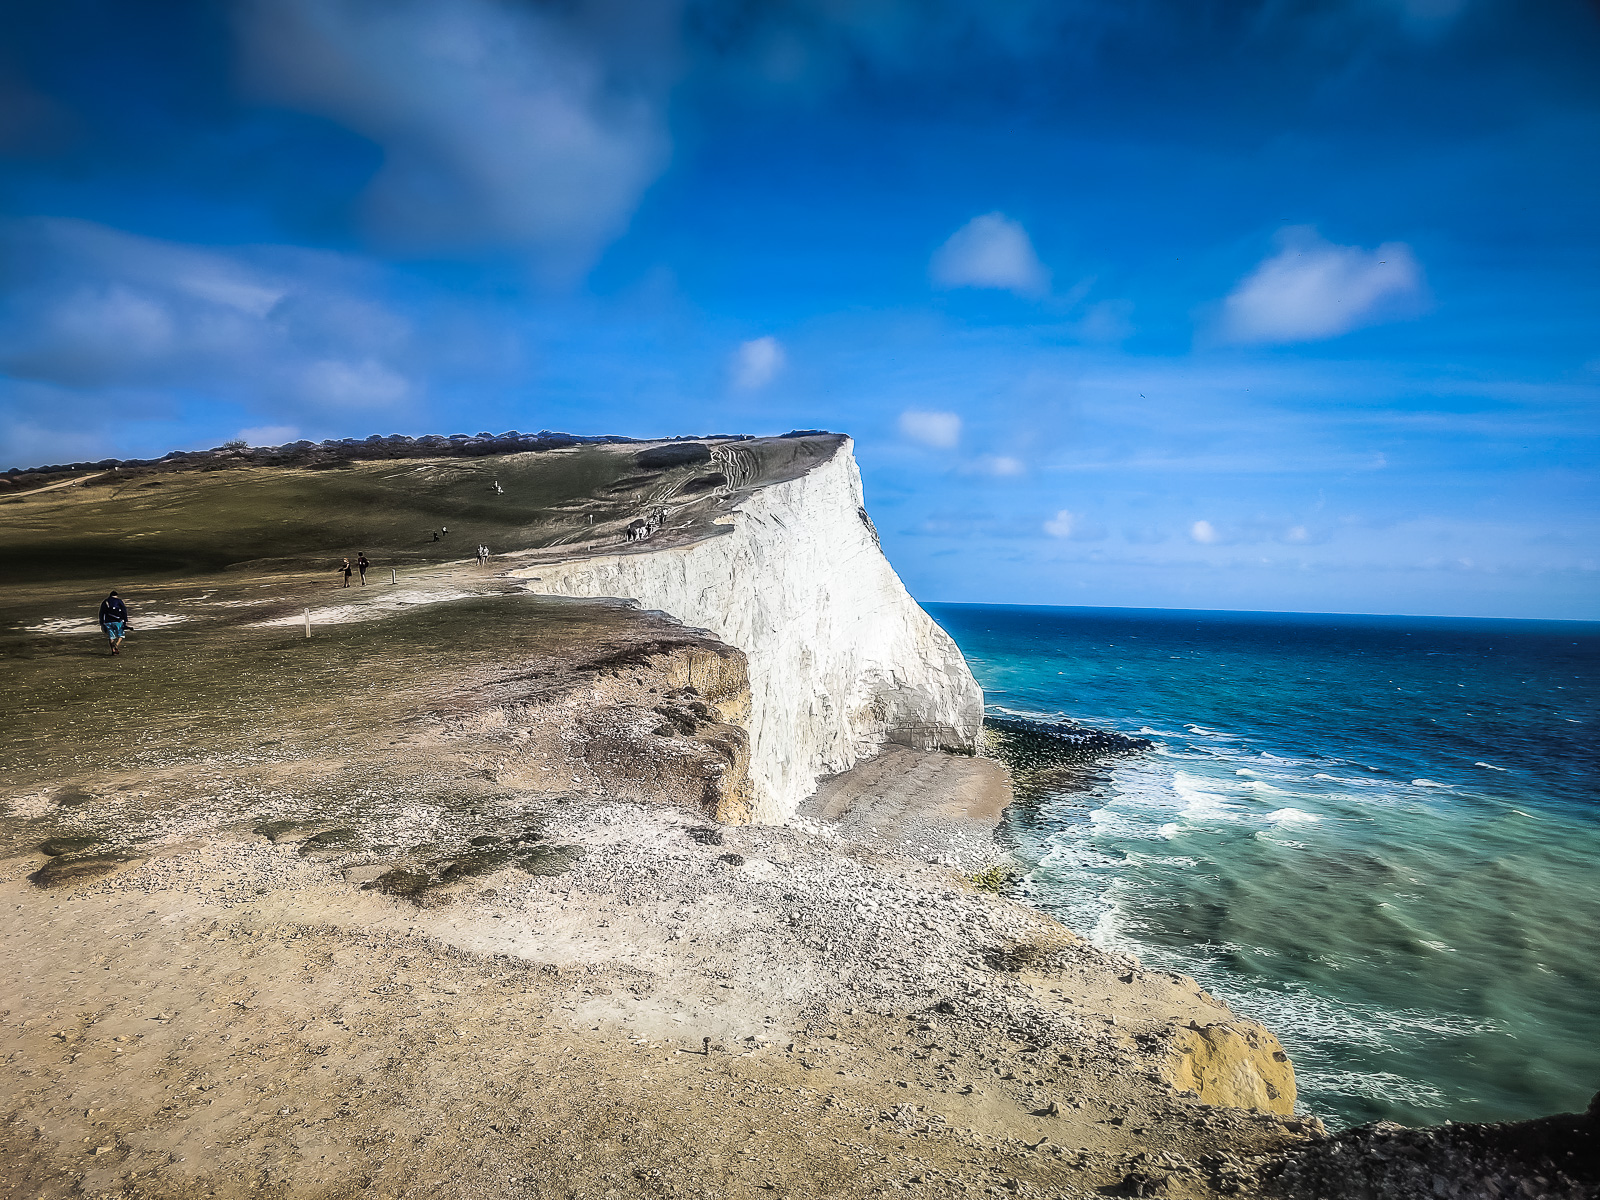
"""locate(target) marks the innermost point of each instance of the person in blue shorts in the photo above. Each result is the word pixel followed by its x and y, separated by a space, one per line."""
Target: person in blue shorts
pixel 114 620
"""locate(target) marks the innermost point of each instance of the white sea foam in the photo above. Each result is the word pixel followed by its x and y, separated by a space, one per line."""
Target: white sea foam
pixel 1489 766
pixel 1428 783
pixel 1199 804
pixel 1288 843
pixel 1293 816
pixel 1256 785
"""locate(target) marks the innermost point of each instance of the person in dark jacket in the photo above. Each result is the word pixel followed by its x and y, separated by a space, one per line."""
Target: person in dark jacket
pixel 114 620
pixel 361 565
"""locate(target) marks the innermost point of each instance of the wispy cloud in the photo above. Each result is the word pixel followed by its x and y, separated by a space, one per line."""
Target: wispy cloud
pixel 269 435
pixel 501 124
pixel 90 308
pixel 1204 533
pixel 1001 466
pixel 941 430
pixel 991 251
pixel 1312 289
pixel 1107 321
pixel 757 363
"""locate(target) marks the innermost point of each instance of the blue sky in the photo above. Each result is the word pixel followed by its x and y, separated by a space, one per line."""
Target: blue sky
pixel 1158 303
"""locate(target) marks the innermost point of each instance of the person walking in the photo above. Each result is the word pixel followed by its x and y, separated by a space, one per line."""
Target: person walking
pixel 361 565
pixel 114 620
pixel 345 567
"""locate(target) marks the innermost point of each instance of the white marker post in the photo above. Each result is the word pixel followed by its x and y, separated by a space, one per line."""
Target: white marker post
pixel 308 622
pixel 392 578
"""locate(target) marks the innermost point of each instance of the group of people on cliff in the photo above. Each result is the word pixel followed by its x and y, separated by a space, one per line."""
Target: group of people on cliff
pixel 361 565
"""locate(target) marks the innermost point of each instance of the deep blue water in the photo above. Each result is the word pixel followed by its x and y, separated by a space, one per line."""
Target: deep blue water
pixel 1378 835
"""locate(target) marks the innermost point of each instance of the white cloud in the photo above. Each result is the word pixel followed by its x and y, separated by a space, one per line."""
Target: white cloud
pixel 501 124
pixel 757 363
pixel 1312 289
pixel 1204 532
pixel 269 435
pixel 941 430
pixel 999 465
pixel 1061 525
pixel 1071 526
pixel 991 251
pixel 1297 534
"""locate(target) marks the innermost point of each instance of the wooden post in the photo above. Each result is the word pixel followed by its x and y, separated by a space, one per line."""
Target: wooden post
pixel 392 578
pixel 308 622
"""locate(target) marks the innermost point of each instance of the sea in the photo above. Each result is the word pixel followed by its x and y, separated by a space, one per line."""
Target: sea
pixel 1379 836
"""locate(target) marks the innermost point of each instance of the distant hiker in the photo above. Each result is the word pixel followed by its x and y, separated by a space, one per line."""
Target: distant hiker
pixel 436 535
pixel 114 620
pixel 345 567
pixel 361 565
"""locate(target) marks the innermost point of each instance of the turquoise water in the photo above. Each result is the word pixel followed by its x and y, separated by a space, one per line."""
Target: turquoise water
pixel 1380 836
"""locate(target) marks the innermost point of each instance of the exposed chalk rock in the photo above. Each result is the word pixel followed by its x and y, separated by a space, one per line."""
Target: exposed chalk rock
pixel 1239 1064
pixel 842 660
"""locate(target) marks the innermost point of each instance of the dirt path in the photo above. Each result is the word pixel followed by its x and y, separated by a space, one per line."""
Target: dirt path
pixel 64 483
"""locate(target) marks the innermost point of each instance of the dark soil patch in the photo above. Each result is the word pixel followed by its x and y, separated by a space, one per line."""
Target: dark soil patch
pixel 549 860
pixel 59 872
pixel 329 839
pixel 470 866
pixel 58 846
pixel 403 881
pixel 678 454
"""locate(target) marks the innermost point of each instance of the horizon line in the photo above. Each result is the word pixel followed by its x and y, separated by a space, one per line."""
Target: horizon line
pixel 1263 612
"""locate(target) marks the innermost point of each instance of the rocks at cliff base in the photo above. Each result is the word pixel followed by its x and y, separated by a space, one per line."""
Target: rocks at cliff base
pixel 1059 740
pixel 1550 1158
pixel 1239 1064
pixel 1052 758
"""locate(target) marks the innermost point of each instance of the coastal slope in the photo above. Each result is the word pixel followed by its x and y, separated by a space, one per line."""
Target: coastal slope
pixel 429 897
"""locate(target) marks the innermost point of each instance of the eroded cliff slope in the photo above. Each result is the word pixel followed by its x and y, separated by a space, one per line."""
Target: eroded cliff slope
pixel 842 660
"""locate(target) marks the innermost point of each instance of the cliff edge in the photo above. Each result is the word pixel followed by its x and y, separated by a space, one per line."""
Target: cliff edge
pixel 842 660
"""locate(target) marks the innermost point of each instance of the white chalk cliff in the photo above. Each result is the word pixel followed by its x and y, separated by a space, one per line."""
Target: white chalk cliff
pixel 842 660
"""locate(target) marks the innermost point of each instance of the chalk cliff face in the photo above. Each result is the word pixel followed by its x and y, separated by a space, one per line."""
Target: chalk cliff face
pixel 841 659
